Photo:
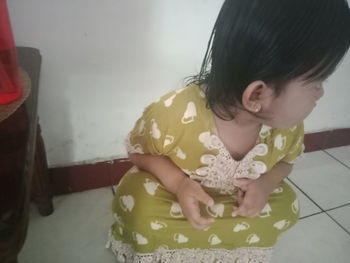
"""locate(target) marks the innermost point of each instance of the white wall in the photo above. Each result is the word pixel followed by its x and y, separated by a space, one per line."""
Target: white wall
pixel 104 60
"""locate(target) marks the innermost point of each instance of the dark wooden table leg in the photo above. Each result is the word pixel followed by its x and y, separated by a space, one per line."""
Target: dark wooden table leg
pixel 42 187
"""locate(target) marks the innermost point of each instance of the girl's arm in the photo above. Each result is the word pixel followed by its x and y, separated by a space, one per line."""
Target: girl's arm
pixel 161 167
pixel 255 193
pixel 188 192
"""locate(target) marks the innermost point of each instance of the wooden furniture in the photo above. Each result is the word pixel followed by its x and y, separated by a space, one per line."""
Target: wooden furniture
pixel 23 166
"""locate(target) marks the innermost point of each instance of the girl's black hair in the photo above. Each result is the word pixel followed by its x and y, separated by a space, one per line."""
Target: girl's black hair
pixel 274 41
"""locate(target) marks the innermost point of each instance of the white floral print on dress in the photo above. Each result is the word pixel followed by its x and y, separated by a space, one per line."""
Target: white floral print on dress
pixel 280 142
pixel 155 130
pixel 219 170
pixel 190 113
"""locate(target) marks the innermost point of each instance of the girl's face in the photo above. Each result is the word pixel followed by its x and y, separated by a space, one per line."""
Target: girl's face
pixel 293 105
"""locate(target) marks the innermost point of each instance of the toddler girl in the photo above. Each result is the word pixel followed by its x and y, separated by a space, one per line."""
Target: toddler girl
pixel 210 159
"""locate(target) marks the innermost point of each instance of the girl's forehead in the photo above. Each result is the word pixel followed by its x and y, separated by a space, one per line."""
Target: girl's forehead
pixel 305 81
pixel 297 86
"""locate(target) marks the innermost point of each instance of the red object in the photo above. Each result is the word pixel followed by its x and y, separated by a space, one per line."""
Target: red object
pixel 10 89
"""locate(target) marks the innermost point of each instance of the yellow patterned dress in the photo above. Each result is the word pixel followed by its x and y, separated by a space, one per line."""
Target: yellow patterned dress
pixel 149 225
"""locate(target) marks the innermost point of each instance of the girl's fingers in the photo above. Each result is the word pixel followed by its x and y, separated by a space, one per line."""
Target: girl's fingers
pixel 203 197
pixel 200 222
pixel 240 196
pixel 242 211
pixel 245 207
pixel 242 183
pixel 236 212
pixel 192 213
pixel 190 205
pixel 245 210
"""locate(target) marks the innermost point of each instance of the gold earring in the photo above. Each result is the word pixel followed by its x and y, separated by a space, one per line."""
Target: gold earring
pixel 257 108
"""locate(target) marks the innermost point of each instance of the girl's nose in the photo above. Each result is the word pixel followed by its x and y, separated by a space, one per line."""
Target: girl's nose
pixel 320 92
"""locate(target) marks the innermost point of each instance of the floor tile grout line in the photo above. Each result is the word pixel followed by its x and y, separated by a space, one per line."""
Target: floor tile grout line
pixel 322 210
pixel 317 213
pixel 340 225
pixel 330 155
pixel 345 165
pixel 341 206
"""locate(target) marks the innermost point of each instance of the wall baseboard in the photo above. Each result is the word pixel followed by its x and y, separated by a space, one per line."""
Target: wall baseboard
pixel 90 176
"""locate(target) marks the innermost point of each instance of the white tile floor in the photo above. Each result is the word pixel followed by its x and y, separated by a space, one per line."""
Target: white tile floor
pixel 76 231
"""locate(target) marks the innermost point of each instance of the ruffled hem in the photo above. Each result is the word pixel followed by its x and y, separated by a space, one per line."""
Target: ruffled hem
pixel 125 253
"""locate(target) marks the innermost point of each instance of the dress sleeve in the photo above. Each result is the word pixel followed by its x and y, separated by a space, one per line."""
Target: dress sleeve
pixel 297 147
pixel 147 135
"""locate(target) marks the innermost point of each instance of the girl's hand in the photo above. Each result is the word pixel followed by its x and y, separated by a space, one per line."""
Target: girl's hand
pixel 252 196
pixel 189 193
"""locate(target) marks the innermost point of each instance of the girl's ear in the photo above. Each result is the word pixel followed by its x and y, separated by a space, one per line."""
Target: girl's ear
pixel 253 96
